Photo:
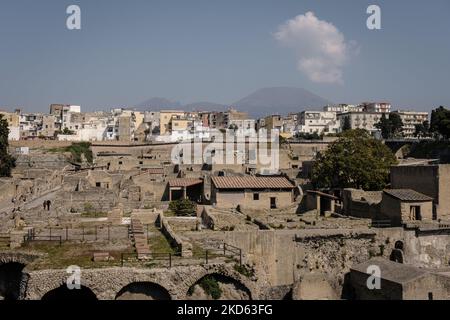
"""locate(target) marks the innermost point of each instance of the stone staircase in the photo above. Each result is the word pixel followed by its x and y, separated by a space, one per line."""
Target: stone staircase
pixel 139 237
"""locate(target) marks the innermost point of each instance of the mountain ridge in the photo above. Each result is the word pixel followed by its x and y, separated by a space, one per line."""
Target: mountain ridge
pixel 265 101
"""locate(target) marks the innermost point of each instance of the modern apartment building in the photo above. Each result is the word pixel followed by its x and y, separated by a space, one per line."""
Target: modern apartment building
pixel 410 119
pixel 361 120
pixel 318 122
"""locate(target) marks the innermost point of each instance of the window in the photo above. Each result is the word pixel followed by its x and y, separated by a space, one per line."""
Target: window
pixel 256 196
pixel 415 213
pixel 120 162
pixel 273 203
pixel 98 184
pixel 141 162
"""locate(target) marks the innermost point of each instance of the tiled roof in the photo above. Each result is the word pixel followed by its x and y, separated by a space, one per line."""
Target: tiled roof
pixel 154 170
pixel 184 182
pixel 251 183
pixel 407 195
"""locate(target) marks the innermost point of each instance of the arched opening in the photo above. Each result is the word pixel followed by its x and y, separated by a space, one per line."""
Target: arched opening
pixel 397 252
pixel 10 279
pixel 288 295
pixel 218 287
pixel 64 293
pixel 143 291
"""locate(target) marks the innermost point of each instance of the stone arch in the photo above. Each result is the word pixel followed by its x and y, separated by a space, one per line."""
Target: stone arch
pixel 19 257
pixel 230 288
pixel 64 293
pixel 11 278
pixel 144 290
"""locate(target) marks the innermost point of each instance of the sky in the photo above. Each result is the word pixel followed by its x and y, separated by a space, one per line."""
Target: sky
pixel 220 51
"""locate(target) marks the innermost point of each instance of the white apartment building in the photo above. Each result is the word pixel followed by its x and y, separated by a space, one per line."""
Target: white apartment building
pixel 361 120
pixel 381 107
pixel 29 125
pixel 14 133
pixel 410 119
pixel 343 108
pixel 318 122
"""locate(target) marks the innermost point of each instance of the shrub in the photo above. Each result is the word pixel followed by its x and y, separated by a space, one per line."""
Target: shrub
pixel 245 270
pixel 211 287
pixel 182 207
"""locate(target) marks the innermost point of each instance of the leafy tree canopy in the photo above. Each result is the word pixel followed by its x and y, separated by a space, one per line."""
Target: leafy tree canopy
pixel 355 160
pixel 7 162
pixel 391 126
pixel 182 207
pixel 440 122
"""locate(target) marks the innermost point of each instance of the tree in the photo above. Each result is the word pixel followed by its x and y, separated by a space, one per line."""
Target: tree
pixel 391 126
pixel 7 162
pixel 422 129
pixel 307 136
pixel 347 125
pixel 182 207
pixel 385 126
pixel 440 122
pixel 396 124
pixel 355 160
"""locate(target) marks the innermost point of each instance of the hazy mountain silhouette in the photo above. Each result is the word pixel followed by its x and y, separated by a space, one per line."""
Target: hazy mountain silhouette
pixel 157 103
pixel 205 106
pixel 276 100
pixel 280 100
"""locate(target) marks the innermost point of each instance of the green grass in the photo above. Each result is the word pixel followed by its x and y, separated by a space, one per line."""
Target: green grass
pixel 200 253
pixel 67 254
pixel 158 242
pixel 76 150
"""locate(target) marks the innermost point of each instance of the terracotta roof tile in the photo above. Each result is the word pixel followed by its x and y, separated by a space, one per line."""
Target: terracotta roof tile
pixel 184 182
pixel 251 183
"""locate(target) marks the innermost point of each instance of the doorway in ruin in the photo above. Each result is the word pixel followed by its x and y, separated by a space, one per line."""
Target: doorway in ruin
pixel 218 287
pixel 64 293
pixel 397 253
pixel 10 279
pixel 143 291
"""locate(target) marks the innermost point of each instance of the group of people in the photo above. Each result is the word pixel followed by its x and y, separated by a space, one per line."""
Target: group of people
pixel 47 205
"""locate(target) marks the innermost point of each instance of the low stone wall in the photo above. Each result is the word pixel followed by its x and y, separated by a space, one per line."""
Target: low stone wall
pixel 41 144
pixel 99 200
pixel 207 219
pixel 184 247
pixel 183 223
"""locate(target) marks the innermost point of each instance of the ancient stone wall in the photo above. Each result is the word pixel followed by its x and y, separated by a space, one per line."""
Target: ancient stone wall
pixel 107 283
pixel 184 246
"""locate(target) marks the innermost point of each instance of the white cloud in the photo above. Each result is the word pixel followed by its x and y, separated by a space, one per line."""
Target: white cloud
pixel 321 48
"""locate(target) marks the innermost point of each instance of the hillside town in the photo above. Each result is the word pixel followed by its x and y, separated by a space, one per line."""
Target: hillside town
pixel 66 122
pixel 157 205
